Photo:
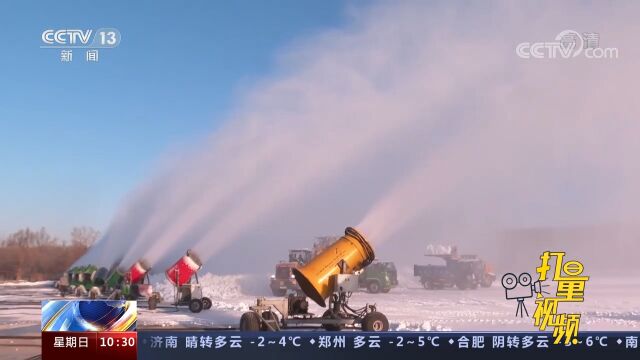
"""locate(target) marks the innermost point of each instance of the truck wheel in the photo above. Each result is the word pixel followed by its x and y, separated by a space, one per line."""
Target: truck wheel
pixel 486 282
pixel 195 305
pixel 331 327
pixel 386 290
pixel 249 321
pixel 426 285
pixel 375 321
pixel 462 284
pixel 206 303
pixel 373 287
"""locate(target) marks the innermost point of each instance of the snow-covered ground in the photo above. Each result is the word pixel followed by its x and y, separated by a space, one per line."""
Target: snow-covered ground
pixel 610 304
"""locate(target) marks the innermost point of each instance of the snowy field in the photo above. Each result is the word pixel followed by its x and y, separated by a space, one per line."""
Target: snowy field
pixel 610 304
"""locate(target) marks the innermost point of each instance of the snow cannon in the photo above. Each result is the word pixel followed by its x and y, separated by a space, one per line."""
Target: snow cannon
pixel 115 278
pixel 137 272
pixel 88 274
pixel 100 277
pixel 350 253
pixel 188 293
pixel 180 273
pixel 134 285
pixel 331 274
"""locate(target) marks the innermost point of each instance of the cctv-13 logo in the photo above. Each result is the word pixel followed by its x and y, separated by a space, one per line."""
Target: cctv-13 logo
pixel 570 285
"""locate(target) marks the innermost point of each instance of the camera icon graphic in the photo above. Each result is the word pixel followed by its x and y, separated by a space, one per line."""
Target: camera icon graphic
pixel 519 288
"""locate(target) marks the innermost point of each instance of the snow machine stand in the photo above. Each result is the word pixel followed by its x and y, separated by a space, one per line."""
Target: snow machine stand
pixel 329 275
pixel 187 292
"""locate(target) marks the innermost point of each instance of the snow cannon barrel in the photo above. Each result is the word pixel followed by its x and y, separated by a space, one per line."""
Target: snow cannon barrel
pixel 75 274
pixel 100 277
pixel 136 273
pixel 115 278
pixel 351 251
pixel 180 273
pixel 88 273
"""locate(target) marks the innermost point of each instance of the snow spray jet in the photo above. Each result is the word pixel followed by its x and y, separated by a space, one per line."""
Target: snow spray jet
pixel 530 161
pixel 321 119
pixel 488 138
pixel 525 171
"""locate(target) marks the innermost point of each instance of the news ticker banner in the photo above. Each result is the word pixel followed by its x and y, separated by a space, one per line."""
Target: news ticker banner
pixel 104 329
pixel 317 344
pixel 98 329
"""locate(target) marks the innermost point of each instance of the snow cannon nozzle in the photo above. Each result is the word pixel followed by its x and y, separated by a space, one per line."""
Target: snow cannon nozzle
pixel 181 272
pixel 137 271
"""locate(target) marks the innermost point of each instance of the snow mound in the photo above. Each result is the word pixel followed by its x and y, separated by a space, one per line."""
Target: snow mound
pixel 417 326
pixel 227 292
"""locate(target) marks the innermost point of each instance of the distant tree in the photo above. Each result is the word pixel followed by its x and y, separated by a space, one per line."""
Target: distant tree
pixel 36 255
pixel 21 245
pixel 84 236
pixel 25 238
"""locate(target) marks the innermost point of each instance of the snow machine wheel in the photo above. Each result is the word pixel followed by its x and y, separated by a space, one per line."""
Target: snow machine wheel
pixel 135 291
pixel 375 321
pixel 249 321
pixel 153 303
pixel 195 305
pixel 206 303
pixel 331 327
pixel 80 291
pixel 373 287
pixel 94 293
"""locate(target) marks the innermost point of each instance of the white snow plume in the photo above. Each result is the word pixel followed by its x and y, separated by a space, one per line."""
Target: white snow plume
pixel 421 112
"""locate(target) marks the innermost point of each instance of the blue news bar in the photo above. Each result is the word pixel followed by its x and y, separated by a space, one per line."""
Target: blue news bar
pixel 315 344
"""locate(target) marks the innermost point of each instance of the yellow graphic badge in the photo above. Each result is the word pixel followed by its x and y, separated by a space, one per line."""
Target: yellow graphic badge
pixel 570 288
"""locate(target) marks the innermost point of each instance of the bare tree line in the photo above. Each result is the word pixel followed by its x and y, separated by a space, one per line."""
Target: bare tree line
pixel 36 255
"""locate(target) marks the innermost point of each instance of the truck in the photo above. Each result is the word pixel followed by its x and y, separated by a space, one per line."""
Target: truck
pixel 283 281
pixel 379 276
pixel 462 271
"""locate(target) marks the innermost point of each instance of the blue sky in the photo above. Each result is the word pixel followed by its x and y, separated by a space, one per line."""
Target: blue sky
pixel 76 137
